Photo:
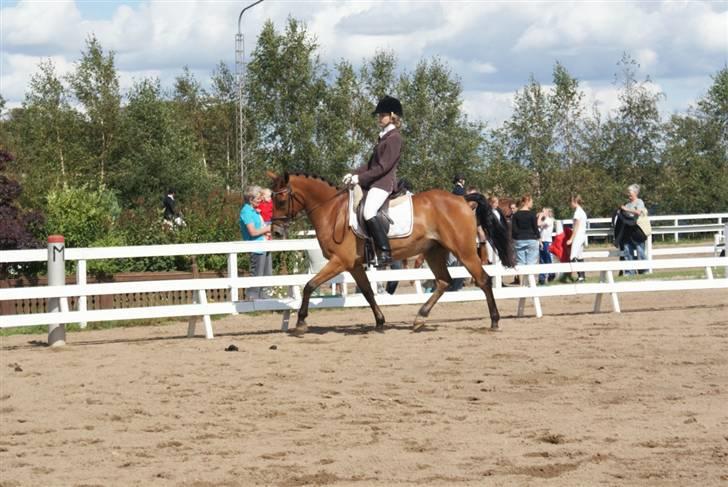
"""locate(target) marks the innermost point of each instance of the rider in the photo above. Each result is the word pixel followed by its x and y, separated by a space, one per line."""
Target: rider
pixel 379 175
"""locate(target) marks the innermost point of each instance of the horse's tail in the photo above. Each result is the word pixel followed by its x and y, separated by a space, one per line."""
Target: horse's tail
pixel 495 228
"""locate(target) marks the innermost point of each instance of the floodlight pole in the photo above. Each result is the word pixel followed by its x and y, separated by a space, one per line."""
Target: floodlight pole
pixel 240 74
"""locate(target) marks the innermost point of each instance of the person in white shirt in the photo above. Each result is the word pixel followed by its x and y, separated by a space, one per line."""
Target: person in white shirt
pixel 578 235
pixel 546 229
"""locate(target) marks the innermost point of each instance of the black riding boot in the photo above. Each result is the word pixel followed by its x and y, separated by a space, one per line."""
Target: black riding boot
pixel 381 242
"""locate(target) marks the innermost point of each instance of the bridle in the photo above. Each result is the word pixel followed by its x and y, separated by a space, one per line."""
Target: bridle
pixel 293 197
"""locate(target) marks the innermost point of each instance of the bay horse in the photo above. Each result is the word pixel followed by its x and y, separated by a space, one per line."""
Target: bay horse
pixel 443 222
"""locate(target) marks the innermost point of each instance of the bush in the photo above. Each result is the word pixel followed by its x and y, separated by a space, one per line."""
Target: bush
pixel 84 216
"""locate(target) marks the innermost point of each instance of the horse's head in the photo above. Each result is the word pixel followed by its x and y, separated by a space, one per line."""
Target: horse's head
pixel 286 202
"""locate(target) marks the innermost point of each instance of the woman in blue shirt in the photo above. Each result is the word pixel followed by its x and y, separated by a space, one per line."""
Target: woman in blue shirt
pixel 252 228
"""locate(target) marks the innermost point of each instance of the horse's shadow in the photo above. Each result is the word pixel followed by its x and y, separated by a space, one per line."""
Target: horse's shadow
pixel 362 329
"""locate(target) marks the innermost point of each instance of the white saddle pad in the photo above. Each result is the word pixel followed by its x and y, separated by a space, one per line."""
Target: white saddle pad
pixel 400 212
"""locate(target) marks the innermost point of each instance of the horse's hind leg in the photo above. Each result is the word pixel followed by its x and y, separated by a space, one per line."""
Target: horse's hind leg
pixel 360 276
pixel 475 267
pixel 437 261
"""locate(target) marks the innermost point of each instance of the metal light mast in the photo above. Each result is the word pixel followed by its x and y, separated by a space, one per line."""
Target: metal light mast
pixel 240 75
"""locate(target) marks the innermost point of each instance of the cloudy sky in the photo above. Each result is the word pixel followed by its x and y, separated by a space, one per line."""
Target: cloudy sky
pixel 492 46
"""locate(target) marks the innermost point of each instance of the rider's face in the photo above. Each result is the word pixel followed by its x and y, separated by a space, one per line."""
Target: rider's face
pixel 384 119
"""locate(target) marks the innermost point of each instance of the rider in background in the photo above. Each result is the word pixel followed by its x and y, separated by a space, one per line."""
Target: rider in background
pixel 379 175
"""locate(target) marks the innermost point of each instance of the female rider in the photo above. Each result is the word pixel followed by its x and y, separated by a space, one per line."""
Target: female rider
pixel 379 175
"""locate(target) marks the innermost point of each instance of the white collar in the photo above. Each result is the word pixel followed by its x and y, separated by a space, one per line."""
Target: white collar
pixel 386 129
pixel 170 196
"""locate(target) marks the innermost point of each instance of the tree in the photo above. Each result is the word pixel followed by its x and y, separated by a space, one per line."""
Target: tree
pixel 530 135
pixel 95 84
pixel 695 157
pixel 220 125
pixel 439 141
pixel 285 83
pixel 158 152
pixel 634 135
pixel 49 134
pixel 18 226
pixel 190 98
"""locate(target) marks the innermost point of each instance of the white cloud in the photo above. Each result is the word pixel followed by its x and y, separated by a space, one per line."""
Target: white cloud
pixel 489 106
pixel 492 46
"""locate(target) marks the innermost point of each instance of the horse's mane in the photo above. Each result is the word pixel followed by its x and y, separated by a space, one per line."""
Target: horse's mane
pixel 310 176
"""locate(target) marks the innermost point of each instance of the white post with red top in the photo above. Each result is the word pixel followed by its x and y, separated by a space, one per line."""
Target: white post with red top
pixel 56 277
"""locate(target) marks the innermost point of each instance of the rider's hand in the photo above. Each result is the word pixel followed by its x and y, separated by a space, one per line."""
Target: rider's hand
pixel 355 180
pixel 347 178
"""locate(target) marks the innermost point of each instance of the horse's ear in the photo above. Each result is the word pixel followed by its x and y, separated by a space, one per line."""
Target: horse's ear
pixel 271 175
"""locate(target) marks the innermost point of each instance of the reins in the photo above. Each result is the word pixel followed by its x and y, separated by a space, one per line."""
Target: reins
pixel 294 197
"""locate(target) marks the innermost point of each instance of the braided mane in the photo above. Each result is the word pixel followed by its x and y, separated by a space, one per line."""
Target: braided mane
pixel 310 176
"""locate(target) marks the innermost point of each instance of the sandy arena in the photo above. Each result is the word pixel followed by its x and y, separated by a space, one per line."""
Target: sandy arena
pixel 573 398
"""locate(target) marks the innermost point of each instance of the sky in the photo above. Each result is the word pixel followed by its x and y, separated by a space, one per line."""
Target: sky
pixel 492 46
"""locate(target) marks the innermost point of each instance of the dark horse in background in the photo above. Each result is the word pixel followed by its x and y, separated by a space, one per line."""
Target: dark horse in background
pixel 443 223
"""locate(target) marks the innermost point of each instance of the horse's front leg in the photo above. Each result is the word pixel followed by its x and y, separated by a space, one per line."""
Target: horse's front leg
pixel 360 276
pixel 329 271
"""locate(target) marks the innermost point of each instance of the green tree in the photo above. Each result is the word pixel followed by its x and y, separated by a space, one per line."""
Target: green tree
pixel 439 140
pixel 189 101
pixel 285 83
pixel 695 157
pixel 344 123
pixel 158 152
pixel 95 84
pixel 220 125
pixel 634 135
pixel 531 137
pixel 49 134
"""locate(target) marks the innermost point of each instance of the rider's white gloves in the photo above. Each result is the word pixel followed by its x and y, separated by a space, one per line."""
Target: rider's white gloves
pixel 350 179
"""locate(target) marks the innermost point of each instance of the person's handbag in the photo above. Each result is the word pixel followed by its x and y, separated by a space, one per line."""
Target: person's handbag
pixel 643 222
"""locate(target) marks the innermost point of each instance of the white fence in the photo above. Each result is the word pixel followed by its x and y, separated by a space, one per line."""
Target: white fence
pixel 203 308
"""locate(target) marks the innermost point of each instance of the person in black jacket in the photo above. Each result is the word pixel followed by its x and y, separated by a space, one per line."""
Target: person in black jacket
pixel 524 229
pixel 459 185
pixel 172 216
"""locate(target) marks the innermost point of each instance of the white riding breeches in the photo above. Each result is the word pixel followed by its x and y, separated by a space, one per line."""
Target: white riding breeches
pixel 375 199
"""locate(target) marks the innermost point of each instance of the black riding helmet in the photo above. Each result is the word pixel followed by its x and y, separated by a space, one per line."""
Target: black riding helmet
pixel 388 104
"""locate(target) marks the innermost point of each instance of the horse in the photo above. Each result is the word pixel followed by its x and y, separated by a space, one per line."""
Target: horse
pixel 443 223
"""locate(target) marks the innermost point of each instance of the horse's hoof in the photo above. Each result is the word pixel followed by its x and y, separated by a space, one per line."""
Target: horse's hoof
pixel 418 326
pixel 379 327
pixel 494 326
pixel 299 330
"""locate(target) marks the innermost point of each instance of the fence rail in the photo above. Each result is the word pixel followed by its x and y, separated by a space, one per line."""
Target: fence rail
pixel 203 289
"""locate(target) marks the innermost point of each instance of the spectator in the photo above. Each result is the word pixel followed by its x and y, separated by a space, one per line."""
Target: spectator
pixel 634 209
pixel 252 228
pixel 459 185
pixel 265 208
pixel 494 203
pixel 578 235
pixel 172 216
pixel 524 229
pixel 546 229
pixel 513 209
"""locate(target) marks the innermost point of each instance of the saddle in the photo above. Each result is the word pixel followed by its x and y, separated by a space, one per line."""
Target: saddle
pixel 396 213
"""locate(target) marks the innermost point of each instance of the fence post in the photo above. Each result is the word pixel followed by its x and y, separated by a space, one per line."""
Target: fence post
pixel 676 234
pixel 232 269
pixel 81 281
pixel 56 277
pixel 648 252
